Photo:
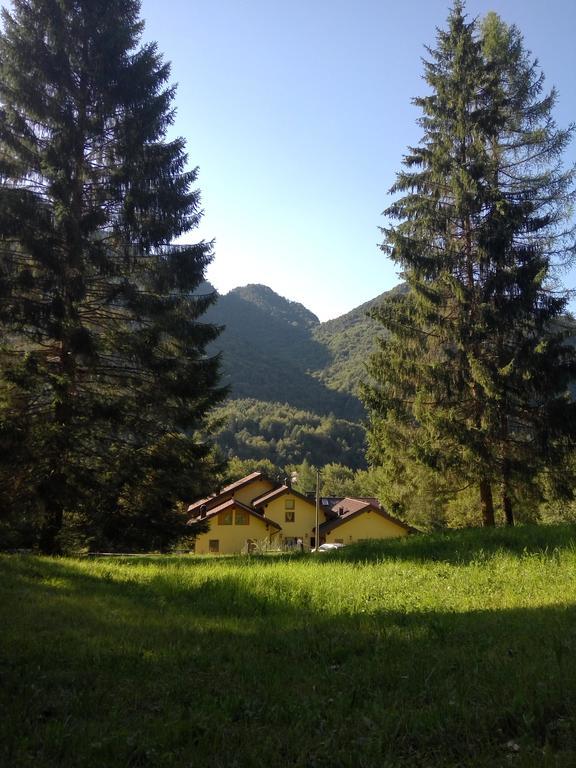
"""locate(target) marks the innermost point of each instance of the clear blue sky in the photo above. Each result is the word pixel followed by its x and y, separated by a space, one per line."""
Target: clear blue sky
pixel 298 113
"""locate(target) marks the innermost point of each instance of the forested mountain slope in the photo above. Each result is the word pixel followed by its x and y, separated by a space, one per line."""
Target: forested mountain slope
pixel 276 350
pixel 349 340
pixel 293 380
pixel 262 346
pixel 284 435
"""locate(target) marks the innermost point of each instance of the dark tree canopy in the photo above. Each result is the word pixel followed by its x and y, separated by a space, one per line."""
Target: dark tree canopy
pixel 471 384
pixel 105 382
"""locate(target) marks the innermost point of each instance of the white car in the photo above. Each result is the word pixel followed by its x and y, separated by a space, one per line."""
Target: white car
pixel 329 547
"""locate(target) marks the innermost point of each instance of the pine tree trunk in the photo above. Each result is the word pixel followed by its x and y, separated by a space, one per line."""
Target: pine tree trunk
pixel 505 495
pixel 48 541
pixel 507 506
pixel 486 503
pixel 54 489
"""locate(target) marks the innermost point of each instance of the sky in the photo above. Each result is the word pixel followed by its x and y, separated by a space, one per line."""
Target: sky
pixel 298 113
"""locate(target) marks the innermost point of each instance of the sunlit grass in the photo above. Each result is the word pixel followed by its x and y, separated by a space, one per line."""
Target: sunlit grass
pixel 453 650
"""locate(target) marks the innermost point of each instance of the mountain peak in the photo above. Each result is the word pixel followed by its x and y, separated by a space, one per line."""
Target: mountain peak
pixel 280 308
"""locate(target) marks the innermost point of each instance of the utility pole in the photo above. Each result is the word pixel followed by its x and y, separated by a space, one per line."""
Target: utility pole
pixel 317 537
pixel 294 478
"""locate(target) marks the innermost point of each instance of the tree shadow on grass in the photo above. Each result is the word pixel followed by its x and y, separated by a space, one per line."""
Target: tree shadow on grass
pixel 102 669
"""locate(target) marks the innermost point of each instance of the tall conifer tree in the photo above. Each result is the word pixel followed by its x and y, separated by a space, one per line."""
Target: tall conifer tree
pixel 103 355
pixel 471 381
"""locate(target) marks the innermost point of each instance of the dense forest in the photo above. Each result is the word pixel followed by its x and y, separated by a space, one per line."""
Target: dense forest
pixel 129 387
pixel 254 429
pixel 293 381
pixel 275 350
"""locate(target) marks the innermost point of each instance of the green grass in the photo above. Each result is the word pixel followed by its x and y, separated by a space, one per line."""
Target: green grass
pixel 440 651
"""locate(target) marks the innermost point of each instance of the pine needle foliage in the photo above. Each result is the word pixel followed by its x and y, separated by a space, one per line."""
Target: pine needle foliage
pixel 104 379
pixel 470 385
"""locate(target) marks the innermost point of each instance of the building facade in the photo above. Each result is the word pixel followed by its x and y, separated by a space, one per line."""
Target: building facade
pixel 255 513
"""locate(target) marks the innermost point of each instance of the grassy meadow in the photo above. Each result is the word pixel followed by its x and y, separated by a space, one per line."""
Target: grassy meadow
pixel 433 651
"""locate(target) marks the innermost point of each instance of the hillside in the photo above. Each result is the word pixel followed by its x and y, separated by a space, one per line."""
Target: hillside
pixel 262 348
pixel 276 350
pixel 258 430
pixel 349 339
pixel 293 380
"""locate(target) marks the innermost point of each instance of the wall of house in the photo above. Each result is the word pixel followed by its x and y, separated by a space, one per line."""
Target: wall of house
pixel 369 525
pixel 252 490
pixel 232 538
pixel 304 518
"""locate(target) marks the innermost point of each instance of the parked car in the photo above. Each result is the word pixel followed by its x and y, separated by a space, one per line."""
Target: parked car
pixel 329 547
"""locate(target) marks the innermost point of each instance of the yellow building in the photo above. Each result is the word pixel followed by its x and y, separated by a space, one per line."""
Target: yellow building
pixel 294 512
pixel 234 527
pixel 360 519
pixel 255 512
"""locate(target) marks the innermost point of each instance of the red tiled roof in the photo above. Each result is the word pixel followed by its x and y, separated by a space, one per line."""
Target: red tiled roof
pixel 219 508
pixel 213 500
pixel 359 508
pixel 353 505
pixel 201 502
pixel 276 492
pixel 230 504
pixel 243 481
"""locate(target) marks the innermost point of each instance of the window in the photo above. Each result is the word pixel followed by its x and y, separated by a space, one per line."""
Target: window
pixel 214 546
pixel 241 517
pixel 225 518
pixel 339 541
pixel 289 516
pixel 289 503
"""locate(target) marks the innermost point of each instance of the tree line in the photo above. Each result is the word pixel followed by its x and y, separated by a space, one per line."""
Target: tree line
pixel 284 435
pixel 431 507
pixel 107 383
